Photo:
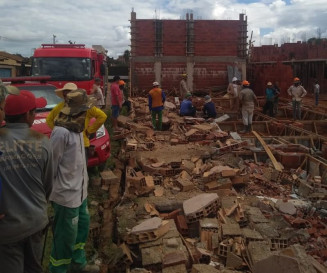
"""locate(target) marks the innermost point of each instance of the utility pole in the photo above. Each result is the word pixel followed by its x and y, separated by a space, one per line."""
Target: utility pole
pixel 54 38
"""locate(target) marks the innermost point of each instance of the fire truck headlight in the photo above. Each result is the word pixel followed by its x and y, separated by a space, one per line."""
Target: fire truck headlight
pixel 101 132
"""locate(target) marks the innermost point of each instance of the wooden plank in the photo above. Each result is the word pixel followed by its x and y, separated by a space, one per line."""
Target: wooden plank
pixel 277 166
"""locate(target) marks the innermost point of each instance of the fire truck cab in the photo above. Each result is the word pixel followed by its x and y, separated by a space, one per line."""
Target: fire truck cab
pixel 71 63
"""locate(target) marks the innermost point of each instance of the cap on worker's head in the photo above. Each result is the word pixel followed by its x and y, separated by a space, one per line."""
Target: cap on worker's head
pixel 207 98
pixel 187 95
pixel 68 86
pixel 116 78
pixel 72 115
pixel 234 79
pixel 184 75
pixel 269 83
pixel 5 90
pixel 296 79
pixel 155 84
pixel 245 83
pixel 22 103
pixel 121 82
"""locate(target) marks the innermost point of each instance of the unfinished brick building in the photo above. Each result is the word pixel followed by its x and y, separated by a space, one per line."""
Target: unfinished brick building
pixel 308 61
pixel 162 50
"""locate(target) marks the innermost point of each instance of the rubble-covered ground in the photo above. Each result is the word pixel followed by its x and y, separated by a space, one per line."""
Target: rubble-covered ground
pixel 186 200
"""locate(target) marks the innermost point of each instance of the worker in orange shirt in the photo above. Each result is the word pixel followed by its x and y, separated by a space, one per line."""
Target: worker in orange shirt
pixel 156 99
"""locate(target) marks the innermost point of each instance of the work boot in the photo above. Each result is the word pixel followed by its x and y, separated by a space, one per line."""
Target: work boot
pixel 249 129
pixel 245 129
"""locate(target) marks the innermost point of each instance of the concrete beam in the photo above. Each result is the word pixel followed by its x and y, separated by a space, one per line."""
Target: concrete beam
pixel 199 59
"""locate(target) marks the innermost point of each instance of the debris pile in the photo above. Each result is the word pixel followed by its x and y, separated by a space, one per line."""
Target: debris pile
pixel 191 203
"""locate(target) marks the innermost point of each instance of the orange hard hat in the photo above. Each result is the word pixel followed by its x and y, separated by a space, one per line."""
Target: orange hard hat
pixel 296 79
pixel 121 82
pixel 245 83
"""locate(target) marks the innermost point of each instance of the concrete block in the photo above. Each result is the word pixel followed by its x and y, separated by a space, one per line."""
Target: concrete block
pixel 258 251
pixel 149 230
pixel 200 206
pixel 203 268
pixel 174 258
pixel 184 184
pixel 266 230
pixel 251 235
pixel 230 230
pixel 181 268
pixel 224 183
pixel 233 261
pixel 304 188
pixel 147 225
pixel 108 178
pixel 151 256
pixel 285 207
pixel 209 224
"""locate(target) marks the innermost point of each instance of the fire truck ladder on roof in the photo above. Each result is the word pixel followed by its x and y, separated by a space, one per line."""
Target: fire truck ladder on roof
pixel 63 46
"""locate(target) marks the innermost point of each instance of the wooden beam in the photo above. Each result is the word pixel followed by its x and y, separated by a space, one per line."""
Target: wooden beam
pixel 277 166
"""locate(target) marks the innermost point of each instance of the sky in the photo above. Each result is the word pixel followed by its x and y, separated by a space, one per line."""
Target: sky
pixel 25 25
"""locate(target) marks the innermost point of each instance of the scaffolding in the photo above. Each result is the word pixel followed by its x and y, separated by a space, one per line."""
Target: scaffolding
pixel 158 38
pixel 189 35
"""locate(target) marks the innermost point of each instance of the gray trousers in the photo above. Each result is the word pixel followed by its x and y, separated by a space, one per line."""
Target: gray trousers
pixel 247 115
pixel 23 256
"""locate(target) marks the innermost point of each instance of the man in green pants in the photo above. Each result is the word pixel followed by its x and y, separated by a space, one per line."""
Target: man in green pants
pixel 69 194
pixel 156 99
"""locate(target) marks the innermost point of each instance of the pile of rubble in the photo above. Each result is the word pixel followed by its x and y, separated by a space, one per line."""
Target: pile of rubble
pixel 191 204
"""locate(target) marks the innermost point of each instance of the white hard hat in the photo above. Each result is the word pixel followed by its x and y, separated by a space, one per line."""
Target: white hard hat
pixel 155 84
pixel 234 79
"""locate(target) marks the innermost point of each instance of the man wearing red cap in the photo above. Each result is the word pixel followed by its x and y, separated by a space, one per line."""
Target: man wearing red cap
pixel 297 91
pixel 26 176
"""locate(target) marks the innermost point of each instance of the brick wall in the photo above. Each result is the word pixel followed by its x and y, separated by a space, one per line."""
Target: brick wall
pixel 308 72
pixel 174 38
pixel 145 38
pixel 211 38
pixel 216 38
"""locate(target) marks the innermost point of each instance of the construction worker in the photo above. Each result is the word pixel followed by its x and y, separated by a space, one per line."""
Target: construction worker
pixel 156 100
pixel 116 101
pixel 96 91
pixel 233 91
pixel 297 91
pixel 183 88
pixel 92 113
pixel 247 100
pixel 187 108
pixel 69 194
pixel 209 108
pixel 26 176
pixel 270 99
pixel 316 91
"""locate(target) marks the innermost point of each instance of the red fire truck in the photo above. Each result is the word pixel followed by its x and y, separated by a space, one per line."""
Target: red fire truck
pixel 71 63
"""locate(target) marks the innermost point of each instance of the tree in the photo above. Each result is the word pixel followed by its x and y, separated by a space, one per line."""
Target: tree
pixel 126 56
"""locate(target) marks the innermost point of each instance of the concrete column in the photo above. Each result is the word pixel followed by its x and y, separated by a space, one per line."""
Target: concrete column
pixel 190 72
pixel 157 71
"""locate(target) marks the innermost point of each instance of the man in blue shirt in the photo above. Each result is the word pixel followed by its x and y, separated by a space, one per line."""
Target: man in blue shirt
pixel 209 108
pixel 187 108
pixel 270 98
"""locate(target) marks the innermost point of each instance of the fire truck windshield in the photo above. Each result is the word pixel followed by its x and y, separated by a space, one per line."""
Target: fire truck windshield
pixel 62 69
